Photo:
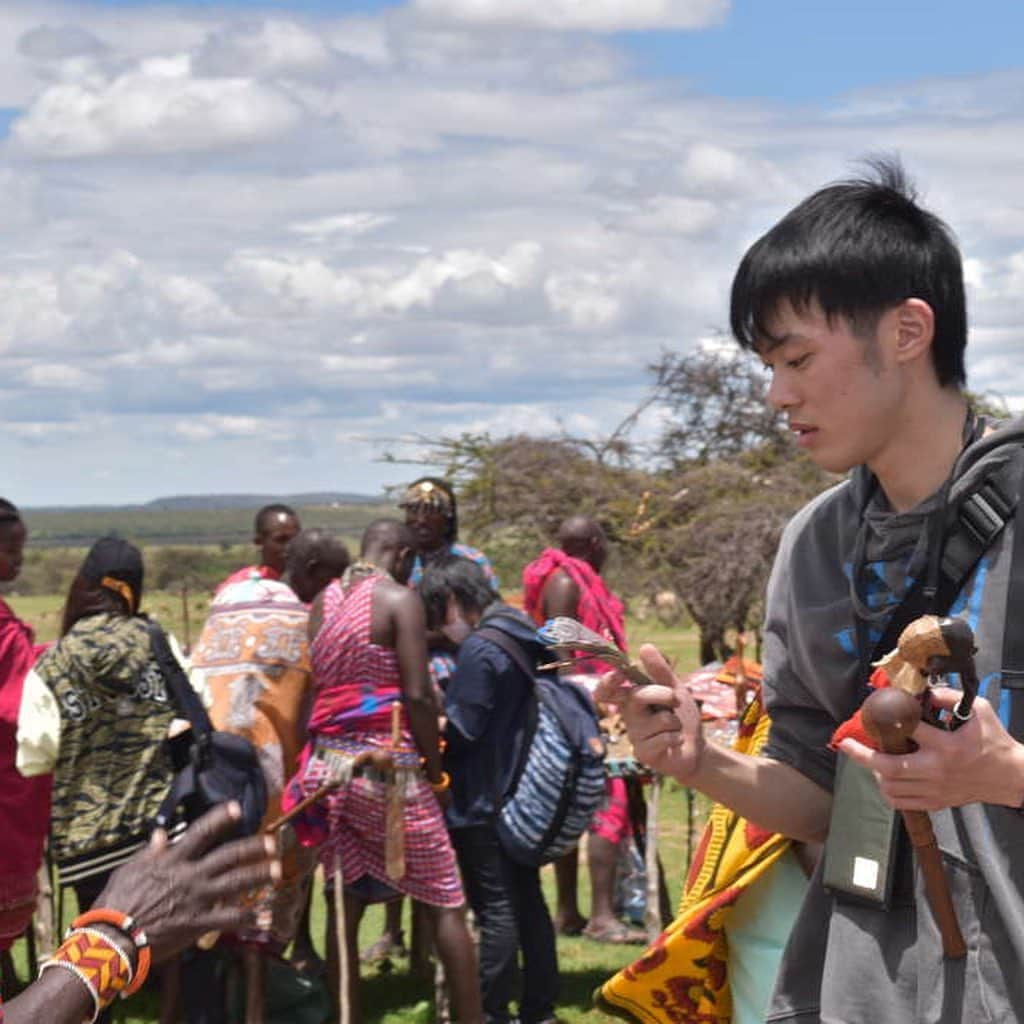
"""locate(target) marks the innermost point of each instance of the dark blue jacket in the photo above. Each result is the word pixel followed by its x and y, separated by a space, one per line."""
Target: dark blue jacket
pixel 486 703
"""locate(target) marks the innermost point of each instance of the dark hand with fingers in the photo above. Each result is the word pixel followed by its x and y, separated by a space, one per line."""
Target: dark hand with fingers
pixel 176 893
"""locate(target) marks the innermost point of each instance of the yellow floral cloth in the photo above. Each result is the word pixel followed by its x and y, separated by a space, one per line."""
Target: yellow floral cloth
pixel 682 978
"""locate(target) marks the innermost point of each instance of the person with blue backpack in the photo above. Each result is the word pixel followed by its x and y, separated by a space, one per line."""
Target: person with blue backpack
pixel 487 705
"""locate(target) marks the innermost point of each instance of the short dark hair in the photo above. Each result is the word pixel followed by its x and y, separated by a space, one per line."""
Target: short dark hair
pixel 857 248
pixel 459 577
pixel 272 510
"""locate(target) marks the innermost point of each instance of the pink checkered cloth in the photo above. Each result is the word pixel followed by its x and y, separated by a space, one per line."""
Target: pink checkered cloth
pixel 351 822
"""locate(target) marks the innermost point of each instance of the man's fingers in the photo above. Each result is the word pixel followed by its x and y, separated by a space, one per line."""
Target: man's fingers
pixel 212 828
pixel 656 666
pixel 238 854
pixel 656 699
pixel 242 880
pixel 225 919
pixel 944 697
pixel 610 688
pixel 858 752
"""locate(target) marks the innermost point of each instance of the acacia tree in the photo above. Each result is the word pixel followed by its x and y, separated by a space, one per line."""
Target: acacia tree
pixel 718 407
pixel 515 491
pixel 702 518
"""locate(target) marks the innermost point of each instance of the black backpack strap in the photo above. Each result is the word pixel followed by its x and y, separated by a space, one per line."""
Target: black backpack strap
pixel 1011 675
pixel 980 518
pixel 185 698
pixel 513 649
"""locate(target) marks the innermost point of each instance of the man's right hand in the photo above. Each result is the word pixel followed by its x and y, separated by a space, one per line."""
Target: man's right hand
pixel 176 893
pixel 662 720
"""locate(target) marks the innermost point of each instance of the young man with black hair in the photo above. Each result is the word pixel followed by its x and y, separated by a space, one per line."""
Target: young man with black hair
pixel 485 705
pixel 855 303
pixel 274 528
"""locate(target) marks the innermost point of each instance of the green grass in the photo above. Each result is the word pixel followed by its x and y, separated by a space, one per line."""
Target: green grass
pixel 391 999
pixel 583 965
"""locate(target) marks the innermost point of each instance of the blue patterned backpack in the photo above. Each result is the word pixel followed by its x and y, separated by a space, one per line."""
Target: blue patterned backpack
pixel 558 782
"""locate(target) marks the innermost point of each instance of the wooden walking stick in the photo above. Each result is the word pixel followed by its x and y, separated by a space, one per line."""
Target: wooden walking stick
pixel 890 716
pixel 394 842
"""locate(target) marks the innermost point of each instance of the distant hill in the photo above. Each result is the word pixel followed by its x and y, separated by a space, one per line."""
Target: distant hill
pixel 189 502
pixel 221 519
pixel 255 501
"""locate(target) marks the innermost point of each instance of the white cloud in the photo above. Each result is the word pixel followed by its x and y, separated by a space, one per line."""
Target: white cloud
pixel 223 228
pixel 297 285
pixel 211 427
pixel 59 42
pixel 671 215
pixel 59 377
pixel 584 15
pixel 344 224
pixel 157 107
pixel 30 315
pixel 264 47
pixel 586 299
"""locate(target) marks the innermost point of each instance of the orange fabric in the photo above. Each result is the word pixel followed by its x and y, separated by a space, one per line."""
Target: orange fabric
pixel 683 977
pixel 252 661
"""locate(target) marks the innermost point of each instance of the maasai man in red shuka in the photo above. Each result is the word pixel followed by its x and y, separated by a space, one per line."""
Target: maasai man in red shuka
pixel 368 652
pixel 24 803
pixel 567 581
pixel 274 529
pixel 575 568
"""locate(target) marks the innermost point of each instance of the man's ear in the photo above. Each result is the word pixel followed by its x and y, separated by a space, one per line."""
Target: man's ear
pixel 914 324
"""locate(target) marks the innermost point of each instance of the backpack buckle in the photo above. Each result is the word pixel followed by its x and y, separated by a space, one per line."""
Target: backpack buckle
pixel 985 513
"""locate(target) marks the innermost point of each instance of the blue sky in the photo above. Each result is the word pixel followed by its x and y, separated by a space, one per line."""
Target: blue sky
pixel 250 246
pixel 806 50
pixel 792 50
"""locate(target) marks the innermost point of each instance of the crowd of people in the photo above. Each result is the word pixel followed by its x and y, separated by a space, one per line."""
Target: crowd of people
pixel 381 694
pixel 384 724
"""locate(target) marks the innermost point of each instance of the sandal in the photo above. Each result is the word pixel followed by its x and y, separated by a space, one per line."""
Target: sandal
pixel 617 934
pixel 385 948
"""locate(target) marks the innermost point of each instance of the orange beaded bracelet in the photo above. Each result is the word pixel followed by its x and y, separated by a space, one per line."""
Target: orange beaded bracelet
pixel 126 924
pixel 98 962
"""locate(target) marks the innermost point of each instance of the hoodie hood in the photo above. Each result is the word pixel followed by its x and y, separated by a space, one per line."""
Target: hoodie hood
pixel 516 624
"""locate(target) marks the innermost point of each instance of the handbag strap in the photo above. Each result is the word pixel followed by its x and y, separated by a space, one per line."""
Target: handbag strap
pixel 185 698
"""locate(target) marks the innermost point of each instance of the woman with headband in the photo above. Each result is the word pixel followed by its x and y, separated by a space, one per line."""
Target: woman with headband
pixel 95 712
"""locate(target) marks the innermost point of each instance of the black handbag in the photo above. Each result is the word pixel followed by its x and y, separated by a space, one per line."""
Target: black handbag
pixel 212 767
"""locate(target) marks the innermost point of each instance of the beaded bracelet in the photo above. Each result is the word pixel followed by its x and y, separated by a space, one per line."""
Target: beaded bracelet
pixel 126 924
pixel 442 783
pixel 97 961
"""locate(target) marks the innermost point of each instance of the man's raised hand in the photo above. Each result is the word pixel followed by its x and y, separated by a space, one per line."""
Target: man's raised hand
pixel 662 720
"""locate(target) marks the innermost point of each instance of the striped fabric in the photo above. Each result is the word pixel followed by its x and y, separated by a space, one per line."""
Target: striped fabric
pixel 351 824
pixel 356 680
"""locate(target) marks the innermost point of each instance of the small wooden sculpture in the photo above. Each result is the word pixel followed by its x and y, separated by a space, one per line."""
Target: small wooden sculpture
pixel 890 716
pixel 927 649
